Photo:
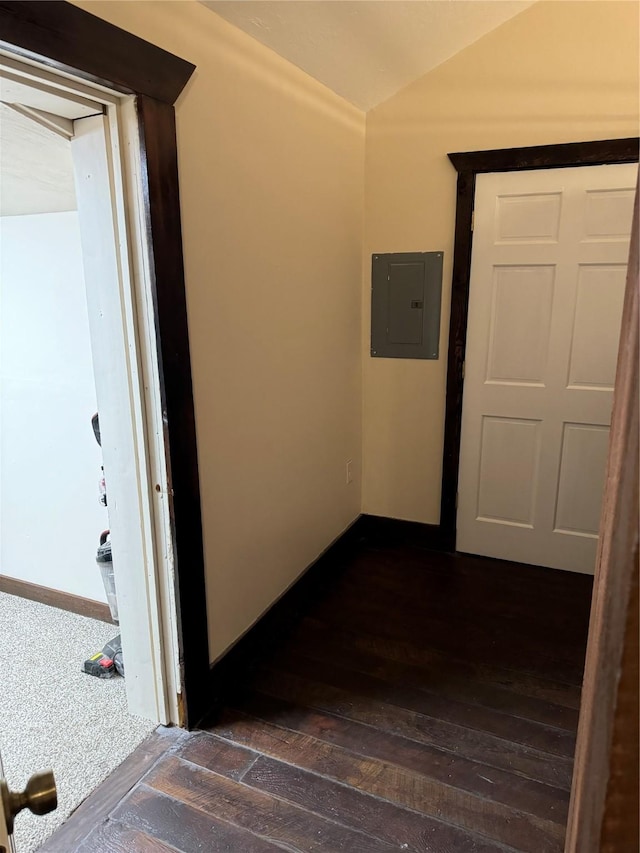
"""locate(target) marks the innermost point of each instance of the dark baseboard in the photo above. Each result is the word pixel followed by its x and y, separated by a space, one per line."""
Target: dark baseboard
pixel 387 532
pixel 55 598
pixel 272 628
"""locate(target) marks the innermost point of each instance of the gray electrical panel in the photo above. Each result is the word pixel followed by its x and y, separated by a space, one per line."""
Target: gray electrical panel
pixel 406 289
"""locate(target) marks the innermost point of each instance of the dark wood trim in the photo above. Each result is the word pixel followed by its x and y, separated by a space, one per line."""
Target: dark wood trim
pixel 56 598
pixel 69 39
pixel 384 532
pixel 101 802
pixel 621 821
pixel 603 814
pixel 468 165
pixel 597 153
pixel 455 358
pixel 65 37
pixel 230 671
pixel 160 183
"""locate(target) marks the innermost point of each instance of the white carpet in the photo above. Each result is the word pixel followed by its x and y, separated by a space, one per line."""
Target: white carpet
pixel 52 714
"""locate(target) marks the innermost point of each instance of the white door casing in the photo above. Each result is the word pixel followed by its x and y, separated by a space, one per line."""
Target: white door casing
pixel 548 268
pixel 106 150
pixel 114 344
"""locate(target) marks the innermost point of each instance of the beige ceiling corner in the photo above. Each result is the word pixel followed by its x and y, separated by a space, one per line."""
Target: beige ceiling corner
pixel 367 50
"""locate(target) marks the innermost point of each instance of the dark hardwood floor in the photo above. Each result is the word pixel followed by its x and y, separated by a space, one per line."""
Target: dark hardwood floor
pixel 422 702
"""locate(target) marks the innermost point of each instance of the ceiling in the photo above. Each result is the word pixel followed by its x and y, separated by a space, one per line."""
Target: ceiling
pixel 36 171
pixel 367 50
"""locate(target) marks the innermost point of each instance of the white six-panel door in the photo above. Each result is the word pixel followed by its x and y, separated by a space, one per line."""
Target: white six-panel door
pixel 547 281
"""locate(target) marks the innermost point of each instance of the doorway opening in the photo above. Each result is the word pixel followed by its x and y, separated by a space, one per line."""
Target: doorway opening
pixel 145 81
pixel 78 337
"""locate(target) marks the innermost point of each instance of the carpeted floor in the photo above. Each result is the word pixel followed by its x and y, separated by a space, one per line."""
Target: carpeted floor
pixel 52 714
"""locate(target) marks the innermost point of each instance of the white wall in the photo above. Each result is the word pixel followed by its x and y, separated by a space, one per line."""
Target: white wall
pixel 50 518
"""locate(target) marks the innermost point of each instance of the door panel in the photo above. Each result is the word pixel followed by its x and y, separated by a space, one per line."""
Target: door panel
pixel 608 214
pixel 580 486
pixel 527 218
pixel 547 281
pixel 509 445
pixel 519 324
pixel 600 293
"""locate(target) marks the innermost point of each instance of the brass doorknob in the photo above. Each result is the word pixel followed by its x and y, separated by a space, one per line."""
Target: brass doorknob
pixel 40 796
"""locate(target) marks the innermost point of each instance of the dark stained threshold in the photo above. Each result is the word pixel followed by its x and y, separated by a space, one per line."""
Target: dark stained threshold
pixel 422 702
pixel 98 806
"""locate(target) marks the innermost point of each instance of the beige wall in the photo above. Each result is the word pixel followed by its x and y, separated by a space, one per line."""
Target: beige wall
pixel 272 169
pixel 559 72
pixel 272 179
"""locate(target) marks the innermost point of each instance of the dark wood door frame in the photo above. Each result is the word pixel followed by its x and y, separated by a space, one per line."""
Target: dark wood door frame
pixel 603 812
pixel 71 40
pixel 468 165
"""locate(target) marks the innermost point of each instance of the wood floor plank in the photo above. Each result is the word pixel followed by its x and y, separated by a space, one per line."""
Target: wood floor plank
pixel 185 828
pixel 449 769
pixel 476 746
pixel 436 674
pixel 113 837
pixel 482 574
pixel 449 599
pixel 430 659
pixel 503 725
pixel 211 753
pixel 479 587
pixel 461 603
pixel 221 756
pixel 258 812
pixel 404 829
pixel 527 833
pixel 477 643
pixel 335 801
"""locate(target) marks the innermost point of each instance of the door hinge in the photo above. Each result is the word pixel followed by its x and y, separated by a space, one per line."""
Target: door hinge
pixel 473 219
